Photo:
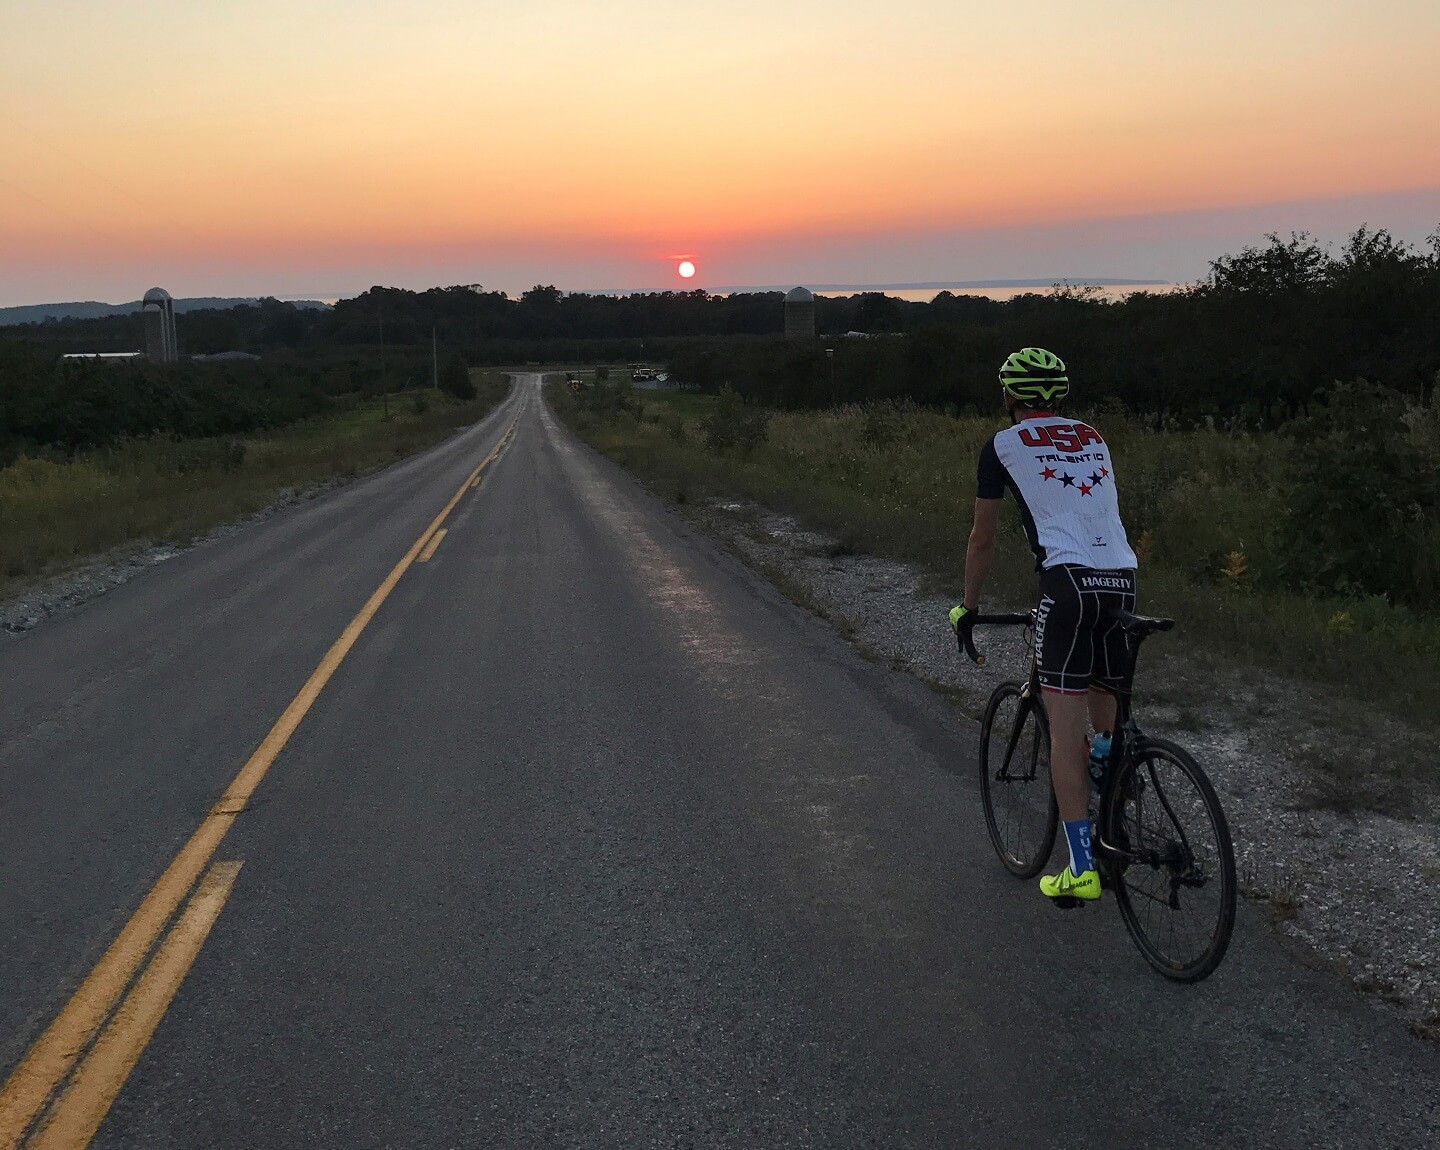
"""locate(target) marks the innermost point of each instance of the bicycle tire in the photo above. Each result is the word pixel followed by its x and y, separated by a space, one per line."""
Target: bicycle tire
pixel 1031 803
pixel 1189 854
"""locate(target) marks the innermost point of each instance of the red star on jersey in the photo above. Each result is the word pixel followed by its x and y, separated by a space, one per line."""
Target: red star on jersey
pixel 1105 473
pixel 1085 489
pixel 1048 473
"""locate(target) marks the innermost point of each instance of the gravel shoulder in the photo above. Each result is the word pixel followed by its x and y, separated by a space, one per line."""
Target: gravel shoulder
pixel 62 592
pixel 1335 836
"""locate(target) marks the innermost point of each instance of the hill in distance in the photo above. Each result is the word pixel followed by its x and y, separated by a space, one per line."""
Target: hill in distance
pixel 93 309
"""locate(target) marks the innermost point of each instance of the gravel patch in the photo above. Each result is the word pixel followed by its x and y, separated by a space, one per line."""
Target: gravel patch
pixel 1342 857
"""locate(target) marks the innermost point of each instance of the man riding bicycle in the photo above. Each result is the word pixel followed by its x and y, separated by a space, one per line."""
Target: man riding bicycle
pixel 1060 472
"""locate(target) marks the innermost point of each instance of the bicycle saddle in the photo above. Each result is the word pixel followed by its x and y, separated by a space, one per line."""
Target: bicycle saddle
pixel 1140 624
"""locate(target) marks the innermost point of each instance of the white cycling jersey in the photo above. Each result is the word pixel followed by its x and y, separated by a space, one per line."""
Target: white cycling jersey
pixel 1063 478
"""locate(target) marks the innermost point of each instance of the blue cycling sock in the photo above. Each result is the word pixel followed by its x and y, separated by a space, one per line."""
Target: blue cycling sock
pixel 1077 834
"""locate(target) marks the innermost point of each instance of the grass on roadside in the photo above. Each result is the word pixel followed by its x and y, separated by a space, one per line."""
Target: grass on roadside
pixel 56 515
pixel 901 483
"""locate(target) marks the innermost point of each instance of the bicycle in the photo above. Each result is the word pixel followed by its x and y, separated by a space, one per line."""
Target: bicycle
pixel 1161 840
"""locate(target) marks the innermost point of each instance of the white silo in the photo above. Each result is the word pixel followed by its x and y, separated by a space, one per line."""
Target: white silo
pixel 157 310
pixel 799 314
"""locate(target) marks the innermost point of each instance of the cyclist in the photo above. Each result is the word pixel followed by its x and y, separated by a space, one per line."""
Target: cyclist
pixel 1060 472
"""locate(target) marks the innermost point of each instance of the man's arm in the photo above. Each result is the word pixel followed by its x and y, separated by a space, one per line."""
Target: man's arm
pixel 981 550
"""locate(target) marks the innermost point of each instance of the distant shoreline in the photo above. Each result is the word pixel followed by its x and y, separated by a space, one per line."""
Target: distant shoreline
pixel 93 309
pixel 1013 286
pixel 951 285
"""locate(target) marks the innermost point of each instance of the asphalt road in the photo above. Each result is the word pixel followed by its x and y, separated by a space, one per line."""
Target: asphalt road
pixel 594 840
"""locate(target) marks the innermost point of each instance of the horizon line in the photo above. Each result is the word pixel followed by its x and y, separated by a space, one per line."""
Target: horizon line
pixel 938 285
pixel 942 285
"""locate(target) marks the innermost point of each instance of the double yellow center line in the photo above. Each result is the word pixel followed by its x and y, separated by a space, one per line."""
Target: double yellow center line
pixel 61 1090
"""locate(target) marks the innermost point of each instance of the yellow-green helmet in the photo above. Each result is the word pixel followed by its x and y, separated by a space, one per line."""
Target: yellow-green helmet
pixel 1033 375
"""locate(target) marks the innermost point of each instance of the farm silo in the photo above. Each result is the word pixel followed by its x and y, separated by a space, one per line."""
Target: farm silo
pixel 158 313
pixel 799 314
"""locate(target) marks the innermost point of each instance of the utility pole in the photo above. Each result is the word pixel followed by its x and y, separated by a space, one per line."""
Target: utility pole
pixel 384 383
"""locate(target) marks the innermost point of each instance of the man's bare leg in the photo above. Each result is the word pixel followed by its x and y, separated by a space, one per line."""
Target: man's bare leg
pixel 1103 709
pixel 1067 715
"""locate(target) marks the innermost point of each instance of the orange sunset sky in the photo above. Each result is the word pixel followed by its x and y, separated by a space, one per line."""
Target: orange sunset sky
pixel 314 147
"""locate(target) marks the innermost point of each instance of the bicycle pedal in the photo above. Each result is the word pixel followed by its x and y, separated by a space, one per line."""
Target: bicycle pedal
pixel 1067 901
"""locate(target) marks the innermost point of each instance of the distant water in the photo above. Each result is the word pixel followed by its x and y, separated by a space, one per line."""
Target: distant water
pixel 914 293
pixel 926 294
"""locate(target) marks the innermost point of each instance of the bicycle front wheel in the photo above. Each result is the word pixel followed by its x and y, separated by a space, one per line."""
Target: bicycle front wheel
pixel 1020 810
pixel 1176 883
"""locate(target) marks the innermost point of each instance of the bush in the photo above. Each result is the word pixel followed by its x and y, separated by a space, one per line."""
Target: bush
pixel 1364 502
pixel 733 424
pixel 884 423
pixel 455 379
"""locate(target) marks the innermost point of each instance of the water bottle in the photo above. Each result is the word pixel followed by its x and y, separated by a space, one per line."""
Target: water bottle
pixel 1099 758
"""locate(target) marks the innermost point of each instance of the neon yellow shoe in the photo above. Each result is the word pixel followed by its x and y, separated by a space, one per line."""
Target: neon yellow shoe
pixel 1068 887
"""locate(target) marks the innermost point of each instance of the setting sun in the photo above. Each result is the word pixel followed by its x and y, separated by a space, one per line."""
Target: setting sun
pixel 686 269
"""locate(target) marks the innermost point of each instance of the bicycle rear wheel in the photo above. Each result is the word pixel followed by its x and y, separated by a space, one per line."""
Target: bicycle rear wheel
pixel 1176 891
pixel 1020 810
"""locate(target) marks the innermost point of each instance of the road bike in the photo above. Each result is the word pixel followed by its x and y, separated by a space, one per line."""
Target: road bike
pixel 1161 841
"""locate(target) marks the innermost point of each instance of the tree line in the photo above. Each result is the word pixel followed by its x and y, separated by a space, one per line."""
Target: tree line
pixel 1258 341
pixel 49 405
pixel 466 318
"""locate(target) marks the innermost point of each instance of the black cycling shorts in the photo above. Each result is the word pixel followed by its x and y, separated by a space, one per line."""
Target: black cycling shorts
pixel 1077 643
